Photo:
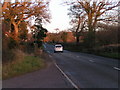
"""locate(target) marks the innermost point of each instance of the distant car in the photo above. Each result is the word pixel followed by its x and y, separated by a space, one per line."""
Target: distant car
pixel 58 48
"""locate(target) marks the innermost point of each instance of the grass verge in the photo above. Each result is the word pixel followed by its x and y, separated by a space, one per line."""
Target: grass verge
pixel 18 67
pixel 73 48
pixel 110 55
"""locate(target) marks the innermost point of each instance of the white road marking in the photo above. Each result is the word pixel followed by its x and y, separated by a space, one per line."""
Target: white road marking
pixel 74 85
pixel 48 51
pixel 78 56
pixel 116 68
pixel 91 61
pixel 50 56
pixel 44 46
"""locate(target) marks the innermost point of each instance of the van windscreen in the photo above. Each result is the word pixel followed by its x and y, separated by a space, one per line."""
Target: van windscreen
pixel 58 46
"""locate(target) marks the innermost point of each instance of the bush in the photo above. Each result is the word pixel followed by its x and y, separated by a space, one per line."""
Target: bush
pixel 12 43
pixel 73 46
pixel 7 55
pixel 108 48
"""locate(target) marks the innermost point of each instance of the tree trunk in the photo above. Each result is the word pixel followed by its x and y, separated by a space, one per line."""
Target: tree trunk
pixel 77 40
pixel 91 39
pixel 15 31
pixel 77 32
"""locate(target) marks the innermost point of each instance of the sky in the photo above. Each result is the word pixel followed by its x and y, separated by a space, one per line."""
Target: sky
pixel 59 19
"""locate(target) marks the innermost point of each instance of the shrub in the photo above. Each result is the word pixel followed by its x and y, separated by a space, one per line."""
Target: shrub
pixel 7 55
pixel 108 48
pixel 12 43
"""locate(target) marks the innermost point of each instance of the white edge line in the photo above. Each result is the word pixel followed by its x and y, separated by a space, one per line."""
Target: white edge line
pixel 67 77
pixel 50 56
pixel 116 68
pixel 44 46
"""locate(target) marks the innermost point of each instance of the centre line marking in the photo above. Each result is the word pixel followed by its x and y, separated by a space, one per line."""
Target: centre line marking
pixel 91 60
pixel 116 68
pixel 78 56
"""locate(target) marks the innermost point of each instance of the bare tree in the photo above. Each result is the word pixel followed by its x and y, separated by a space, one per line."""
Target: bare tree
pixel 95 11
pixel 78 20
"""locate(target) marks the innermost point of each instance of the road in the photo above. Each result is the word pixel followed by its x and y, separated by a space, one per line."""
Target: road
pixel 86 70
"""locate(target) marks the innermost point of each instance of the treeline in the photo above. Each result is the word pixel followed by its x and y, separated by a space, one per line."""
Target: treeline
pixel 62 36
pixel 109 34
pixel 106 35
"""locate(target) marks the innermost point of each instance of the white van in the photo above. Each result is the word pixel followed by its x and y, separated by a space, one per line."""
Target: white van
pixel 58 48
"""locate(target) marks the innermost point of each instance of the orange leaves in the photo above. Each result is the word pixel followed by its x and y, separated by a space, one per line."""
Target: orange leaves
pixel 26 9
pixel 20 11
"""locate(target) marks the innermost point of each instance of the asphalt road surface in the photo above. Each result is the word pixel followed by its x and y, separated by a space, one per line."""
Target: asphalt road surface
pixel 86 70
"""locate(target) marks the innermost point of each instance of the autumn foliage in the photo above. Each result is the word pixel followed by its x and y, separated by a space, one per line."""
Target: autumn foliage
pixel 16 17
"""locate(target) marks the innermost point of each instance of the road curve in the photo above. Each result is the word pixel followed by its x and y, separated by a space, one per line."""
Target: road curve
pixel 86 70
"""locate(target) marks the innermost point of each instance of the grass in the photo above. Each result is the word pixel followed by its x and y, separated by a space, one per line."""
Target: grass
pixel 110 55
pixel 18 67
pixel 114 55
pixel 74 48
